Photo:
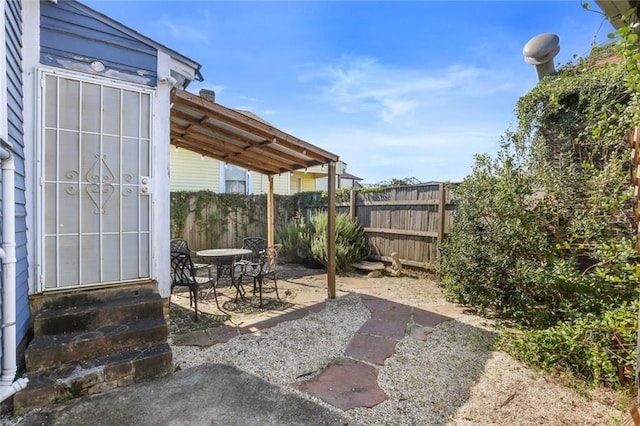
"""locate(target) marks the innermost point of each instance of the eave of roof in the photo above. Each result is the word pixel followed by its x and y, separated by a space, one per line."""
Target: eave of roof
pixel 349 176
pixel 615 9
pixel 236 138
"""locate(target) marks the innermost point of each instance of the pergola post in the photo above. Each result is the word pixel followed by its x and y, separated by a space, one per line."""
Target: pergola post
pixel 331 232
pixel 271 217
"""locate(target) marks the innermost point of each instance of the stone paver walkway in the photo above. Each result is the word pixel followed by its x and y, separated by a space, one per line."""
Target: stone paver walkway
pixel 353 383
pixel 350 381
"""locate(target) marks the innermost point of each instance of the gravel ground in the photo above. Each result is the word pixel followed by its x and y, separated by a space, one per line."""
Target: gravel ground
pixel 451 378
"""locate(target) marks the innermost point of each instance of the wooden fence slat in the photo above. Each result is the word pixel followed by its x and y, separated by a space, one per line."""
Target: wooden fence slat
pixel 405 232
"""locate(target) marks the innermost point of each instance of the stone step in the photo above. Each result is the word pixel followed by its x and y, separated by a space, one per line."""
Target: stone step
pixel 52 350
pixel 85 297
pixel 75 379
pixel 98 313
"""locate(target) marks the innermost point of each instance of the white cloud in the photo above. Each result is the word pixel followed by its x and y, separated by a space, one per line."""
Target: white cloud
pixel 190 29
pixel 391 93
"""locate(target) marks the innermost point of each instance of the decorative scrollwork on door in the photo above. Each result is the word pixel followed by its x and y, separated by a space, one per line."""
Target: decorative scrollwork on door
pixel 101 180
pixel 72 188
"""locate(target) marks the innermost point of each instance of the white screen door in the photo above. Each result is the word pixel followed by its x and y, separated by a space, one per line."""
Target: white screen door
pixel 95 167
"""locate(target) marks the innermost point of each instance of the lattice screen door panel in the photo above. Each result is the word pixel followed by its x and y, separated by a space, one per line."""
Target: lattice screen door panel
pixel 95 164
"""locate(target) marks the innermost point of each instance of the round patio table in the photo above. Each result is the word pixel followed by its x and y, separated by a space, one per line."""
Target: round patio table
pixel 223 252
pixel 225 259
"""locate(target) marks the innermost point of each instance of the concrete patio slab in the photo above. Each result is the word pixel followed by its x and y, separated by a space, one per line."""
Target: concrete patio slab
pixel 273 321
pixel 208 394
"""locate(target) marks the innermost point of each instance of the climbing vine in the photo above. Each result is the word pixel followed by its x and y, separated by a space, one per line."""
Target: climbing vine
pixel 179 211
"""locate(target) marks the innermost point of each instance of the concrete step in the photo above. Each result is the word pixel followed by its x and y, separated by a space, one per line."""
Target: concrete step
pixel 52 350
pixel 79 378
pixel 97 313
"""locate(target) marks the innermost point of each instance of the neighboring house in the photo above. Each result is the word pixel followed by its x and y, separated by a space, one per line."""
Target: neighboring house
pixel 87 107
pixel 347 180
pixel 343 179
pixel 193 172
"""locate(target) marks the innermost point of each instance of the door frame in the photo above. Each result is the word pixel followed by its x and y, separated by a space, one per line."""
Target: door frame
pixel 40 73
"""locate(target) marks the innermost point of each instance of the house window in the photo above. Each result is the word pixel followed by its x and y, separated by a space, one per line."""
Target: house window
pixel 95 156
pixel 235 179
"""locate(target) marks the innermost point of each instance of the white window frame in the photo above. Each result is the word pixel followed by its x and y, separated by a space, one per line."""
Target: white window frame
pixel 223 179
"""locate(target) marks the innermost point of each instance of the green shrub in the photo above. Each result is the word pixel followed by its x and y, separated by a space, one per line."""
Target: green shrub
pixel 599 350
pixel 351 242
pixel 544 232
pixel 295 237
pixel 308 240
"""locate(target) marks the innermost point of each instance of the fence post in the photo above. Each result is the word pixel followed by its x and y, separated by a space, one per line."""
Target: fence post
pixel 442 206
pixel 352 204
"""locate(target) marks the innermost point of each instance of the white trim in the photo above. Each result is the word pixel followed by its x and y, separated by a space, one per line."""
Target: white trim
pixel 222 184
pixel 30 59
pixel 89 78
pixel 161 201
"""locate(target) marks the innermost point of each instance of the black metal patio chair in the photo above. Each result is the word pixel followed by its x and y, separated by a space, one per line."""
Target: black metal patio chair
pixel 183 273
pixel 264 268
pixel 257 245
pixel 180 244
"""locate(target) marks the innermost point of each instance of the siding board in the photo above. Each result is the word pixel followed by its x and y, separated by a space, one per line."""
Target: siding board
pixel 13 78
pixel 72 38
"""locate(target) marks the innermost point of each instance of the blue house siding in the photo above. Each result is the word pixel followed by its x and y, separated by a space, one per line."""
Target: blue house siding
pixel 13 37
pixel 72 36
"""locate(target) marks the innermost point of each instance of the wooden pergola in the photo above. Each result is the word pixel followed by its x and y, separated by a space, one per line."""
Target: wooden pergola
pixel 237 138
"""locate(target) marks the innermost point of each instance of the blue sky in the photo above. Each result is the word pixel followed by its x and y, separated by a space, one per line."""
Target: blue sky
pixel 397 89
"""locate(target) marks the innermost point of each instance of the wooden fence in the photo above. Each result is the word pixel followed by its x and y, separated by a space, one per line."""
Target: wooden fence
pixel 210 222
pixel 411 221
